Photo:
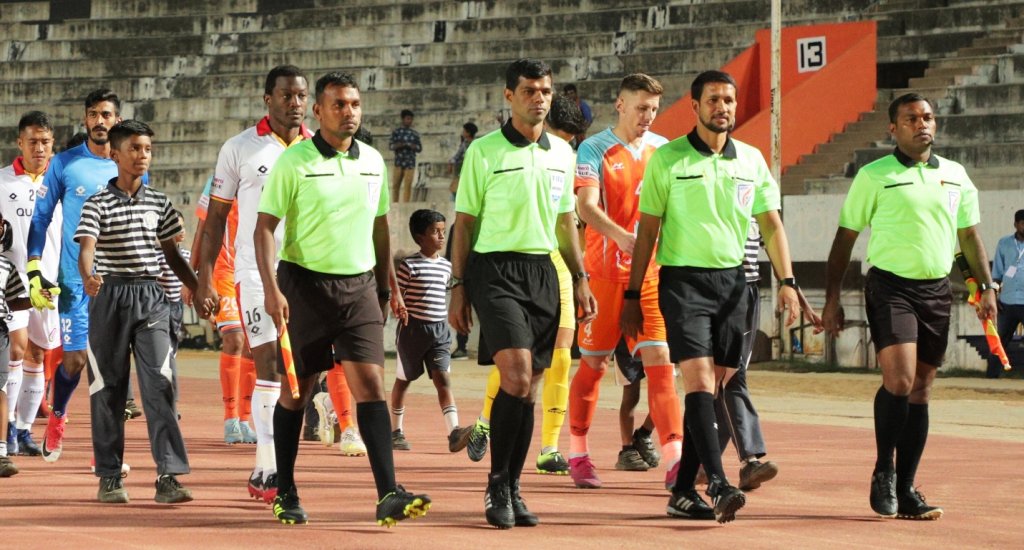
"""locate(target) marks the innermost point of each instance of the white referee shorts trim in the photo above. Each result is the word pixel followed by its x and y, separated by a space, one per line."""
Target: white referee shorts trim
pixel 256 323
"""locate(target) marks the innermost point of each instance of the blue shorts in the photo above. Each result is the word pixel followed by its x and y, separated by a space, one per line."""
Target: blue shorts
pixel 73 305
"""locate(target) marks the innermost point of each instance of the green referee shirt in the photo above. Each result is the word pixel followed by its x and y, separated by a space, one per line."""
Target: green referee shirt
pixel 705 200
pixel 914 210
pixel 516 189
pixel 328 200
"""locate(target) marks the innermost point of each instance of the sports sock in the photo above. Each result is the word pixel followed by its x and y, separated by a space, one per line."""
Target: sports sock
pixel 700 419
pixel 583 393
pixel 522 447
pixel 32 387
pixel 63 386
pixel 663 402
pixel 3 446
pixel 341 397
pixel 375 426
pixel 287 426
pixel 265 400
pixel 451 417
pixel 689 463
pixel 555 399
pixel 910 446
pixel 506 420
pixel 229 387
pixel 493 383
pixel 890 417
pixel 397 414
pixel 246 386
pixel 13 388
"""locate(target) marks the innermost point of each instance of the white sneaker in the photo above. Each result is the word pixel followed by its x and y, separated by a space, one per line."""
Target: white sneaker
pixel 351 443
pixel 325 410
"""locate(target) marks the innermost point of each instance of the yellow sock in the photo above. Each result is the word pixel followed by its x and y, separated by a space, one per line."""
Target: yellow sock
pixel 555 399
pixel 493 384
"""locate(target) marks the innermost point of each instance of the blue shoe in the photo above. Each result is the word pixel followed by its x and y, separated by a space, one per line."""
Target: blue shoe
pixel 12 439
pixel 232 431
pixel 248 435
pixel 26 446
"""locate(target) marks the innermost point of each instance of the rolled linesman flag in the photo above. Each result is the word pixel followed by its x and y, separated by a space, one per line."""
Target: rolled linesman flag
pixel 289 361
pixel 995 346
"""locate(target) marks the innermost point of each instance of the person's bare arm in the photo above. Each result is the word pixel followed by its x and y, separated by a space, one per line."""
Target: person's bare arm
pixel 266 255
pixel 460 313
pixel 832 317
pixel 588 201
pixel 974 250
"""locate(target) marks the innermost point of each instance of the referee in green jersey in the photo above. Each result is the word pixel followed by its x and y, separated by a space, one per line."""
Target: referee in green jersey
pixel 514 207
pixel 699 194
pixel 331 286
pixel 918 206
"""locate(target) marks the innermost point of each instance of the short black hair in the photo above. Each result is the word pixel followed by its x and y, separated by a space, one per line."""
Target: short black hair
pixel 407 112
pixel 470 128
pixel 525 68
pixel 75 140
pixel 1018 216
pixel 709 77
pixel 566 116
pixel 335 78
pixel 287 71
pixel 35 118
pixel 422 219
pixel 101 95
pixel 126 129
pixel 894 106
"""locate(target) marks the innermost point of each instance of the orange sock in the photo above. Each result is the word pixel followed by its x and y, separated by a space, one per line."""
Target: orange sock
pixel 246 385
pixel 663 402
pixel 341 397
pixel 229 384
pixel 583 393
pixel 51 359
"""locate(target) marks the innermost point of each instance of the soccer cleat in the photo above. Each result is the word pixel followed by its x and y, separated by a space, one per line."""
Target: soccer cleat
pixel 232 431
pixel 583 473
pixel 644 446
pixel 911 505
pixel 498 504
pixel 552 463
pixel 26 446
pixel 883 494
pixel 53 441
pixel 170 491
pixel 12 439
pixel 755 472
pixel 351 444
pixel 399 442
pixel 270 488
pixel 131 409
pixel 689 504
pixel 248 434
pixel 477 446
pixel 7 468
pixel 459 438
pixel 523 516
pixel 287 509
pixel 401 504
pixel 325 423
pixel 255 486
pixel 631 461
pixel 112 491
pixel 727 500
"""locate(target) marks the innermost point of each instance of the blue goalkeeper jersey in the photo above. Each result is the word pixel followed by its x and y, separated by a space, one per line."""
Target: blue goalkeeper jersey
pixel 73 176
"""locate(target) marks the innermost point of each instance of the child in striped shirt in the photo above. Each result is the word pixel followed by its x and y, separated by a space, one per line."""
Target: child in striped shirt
pixel 423 340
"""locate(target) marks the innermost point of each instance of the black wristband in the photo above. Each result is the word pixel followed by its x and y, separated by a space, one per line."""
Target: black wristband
pixel 788 281
pixel 384 295
pixel 631 295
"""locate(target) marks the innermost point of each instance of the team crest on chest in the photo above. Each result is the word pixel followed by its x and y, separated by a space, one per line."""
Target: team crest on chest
pixel 150 220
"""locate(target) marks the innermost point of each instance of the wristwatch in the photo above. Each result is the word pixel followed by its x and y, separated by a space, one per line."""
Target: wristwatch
pixel 579 276
pixel 988 286
pixel 631 294
pixel 454 281
pixel 788 281
pixel 384 295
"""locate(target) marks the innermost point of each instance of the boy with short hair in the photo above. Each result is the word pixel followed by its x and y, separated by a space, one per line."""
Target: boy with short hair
pixel 120 264
pixel 423 340
pixel 12 290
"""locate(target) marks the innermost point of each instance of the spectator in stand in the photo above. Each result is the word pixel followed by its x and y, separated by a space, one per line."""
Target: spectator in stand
pixel 405 142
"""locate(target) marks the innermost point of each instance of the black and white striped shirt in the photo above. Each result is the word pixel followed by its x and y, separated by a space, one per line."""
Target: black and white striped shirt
pixel 168 280
pixel 127 230
pixel 750 251
pixel 424 283
pixel 10 285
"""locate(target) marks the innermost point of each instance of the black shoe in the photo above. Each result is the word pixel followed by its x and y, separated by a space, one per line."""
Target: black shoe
pixel 912 506
pixel 112 490
pixel 755 472
pixel 401 504
pixel 131 409
pixel 498 504
pixel 726 498
pixel 170 491
pixel 7 468
pixel 459 438
pixel 477 446
pixel 399 442
pixel 523 517
pixel 689 504
pixel 883 494
pixel 460 354
pixel 287 509
pixel 644 446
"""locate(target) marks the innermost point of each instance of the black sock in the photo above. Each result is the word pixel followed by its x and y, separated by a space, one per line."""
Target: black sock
pixel 911 445
pixel 688 464
pixel 375 427
pixel 506 420
pixel 63 386
pixel 287 429
pixel 522 447
pixel 890 417
pixel 700 421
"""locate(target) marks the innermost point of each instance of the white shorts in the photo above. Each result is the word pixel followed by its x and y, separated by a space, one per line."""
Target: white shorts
pixel 44 328
pixel 16 320
pixel 258 326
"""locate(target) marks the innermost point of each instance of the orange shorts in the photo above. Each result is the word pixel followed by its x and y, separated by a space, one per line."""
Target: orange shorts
pixel 227 318
pixel 600 336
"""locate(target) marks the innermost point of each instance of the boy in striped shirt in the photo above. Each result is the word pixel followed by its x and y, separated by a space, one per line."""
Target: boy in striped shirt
pixel 423 340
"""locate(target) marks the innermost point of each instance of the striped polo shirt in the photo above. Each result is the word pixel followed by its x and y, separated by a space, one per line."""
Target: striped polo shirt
pixel 127 230
pixel 168 280
pixel 10 285
pixel 423 282
pixel 750 252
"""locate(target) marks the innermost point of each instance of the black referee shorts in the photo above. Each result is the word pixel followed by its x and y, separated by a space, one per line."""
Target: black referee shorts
pixel 705 313
pixel 516 299
pixel 903 310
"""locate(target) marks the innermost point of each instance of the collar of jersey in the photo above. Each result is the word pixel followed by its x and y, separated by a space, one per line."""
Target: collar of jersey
pixel 519 140
pixel 120 193
pixel 932 161
pixel 329 152
pixel 729 151
pixel 19 168
pixel 263 129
